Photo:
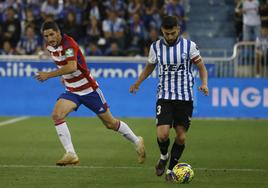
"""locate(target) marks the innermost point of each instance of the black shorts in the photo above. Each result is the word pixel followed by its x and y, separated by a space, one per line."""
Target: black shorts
pixel 174 112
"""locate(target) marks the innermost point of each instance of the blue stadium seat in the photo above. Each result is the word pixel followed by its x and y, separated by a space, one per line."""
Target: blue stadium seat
pixel 211 25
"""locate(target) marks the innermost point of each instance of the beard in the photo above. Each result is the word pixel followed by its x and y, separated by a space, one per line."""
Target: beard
pixel 172 42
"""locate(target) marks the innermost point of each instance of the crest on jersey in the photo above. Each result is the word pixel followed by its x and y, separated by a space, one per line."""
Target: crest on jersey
pixel 69 52
pixel 183 55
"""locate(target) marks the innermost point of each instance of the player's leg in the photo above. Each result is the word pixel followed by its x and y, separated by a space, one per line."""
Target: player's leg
pixel 119 126
pixel 178 146
pixel 97 103
pixel 182 120
pixel 63 107
pixel 164 121
pixel 176 150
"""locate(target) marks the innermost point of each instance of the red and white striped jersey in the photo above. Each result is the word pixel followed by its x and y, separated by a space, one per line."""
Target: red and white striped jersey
pixel 81 81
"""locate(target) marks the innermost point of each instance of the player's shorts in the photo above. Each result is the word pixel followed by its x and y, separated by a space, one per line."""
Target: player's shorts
pixel 174 112
pixel 95 100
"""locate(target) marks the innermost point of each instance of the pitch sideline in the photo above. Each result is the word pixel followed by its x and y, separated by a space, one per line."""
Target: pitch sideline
pixel 14 120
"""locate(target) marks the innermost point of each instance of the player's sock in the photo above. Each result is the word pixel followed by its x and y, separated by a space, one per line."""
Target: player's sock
pixel 168 171
pixel 65 136
pixel 163 146
pixel 124 130
pixel 176 153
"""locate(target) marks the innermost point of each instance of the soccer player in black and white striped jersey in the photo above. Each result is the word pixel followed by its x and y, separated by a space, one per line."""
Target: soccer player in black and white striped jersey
pixel 174 56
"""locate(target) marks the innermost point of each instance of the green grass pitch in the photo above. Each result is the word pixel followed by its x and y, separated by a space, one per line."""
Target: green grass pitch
pixel 223 153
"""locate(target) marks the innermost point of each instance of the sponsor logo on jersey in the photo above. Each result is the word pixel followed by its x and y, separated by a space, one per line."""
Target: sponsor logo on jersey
pixel 172 68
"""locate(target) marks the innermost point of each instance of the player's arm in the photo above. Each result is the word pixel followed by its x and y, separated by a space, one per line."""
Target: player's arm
pixel 70 67
pixel 149 68
pixel 203 75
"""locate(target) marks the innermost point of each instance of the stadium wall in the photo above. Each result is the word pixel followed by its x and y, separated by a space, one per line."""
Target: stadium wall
pixel 21 94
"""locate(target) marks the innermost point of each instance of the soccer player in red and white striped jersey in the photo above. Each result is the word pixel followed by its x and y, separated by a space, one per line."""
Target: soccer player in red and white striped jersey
pixel 81 88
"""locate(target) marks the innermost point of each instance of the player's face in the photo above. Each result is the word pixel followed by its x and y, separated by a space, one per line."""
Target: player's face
pixel 52 37
pixel 171 35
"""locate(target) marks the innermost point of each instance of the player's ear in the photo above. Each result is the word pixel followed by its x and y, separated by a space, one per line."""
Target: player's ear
pixel 179 29
pixel 161 31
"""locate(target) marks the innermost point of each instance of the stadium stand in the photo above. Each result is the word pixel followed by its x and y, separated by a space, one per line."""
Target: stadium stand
pixel 211 25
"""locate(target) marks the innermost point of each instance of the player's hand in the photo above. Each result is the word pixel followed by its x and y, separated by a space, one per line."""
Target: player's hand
pixel 134 88
pixel 204 89
pixel 42 76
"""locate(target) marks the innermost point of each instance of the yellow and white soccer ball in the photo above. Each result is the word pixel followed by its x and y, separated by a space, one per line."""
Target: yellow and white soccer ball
pixel 182 173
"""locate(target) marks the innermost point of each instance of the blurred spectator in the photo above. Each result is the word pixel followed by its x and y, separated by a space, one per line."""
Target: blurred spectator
pixel 264 16
pixel 238 20
pixel 1 35
pixel 114 29
pixel 117 6
pixel 30 19
pixel 11 27
pixel 52 7
pixel 7 48
pixel 186 5
pixel 70 27
pixel 262 53
pixel 251 20
pixel 78 7
pixel 153 36
pixel 34 5
pixel 93 50
pixel 151 14
pixel 114 50
pixel 174 8
pixel 134 7
pixel 136 36
pixel 101 22
pixel 30 43
pixel 2 8
pixel 15 4
pixel 93 30
pixel 94 10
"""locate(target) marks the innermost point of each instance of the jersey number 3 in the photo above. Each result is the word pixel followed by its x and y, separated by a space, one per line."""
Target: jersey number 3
pixel 158 110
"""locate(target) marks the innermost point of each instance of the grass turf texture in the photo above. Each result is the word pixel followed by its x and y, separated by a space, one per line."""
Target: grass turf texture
pixel 223 153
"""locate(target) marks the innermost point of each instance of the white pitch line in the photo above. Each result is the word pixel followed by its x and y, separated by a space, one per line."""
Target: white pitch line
pixel 71 166
pixel 130 167
pixel 14 120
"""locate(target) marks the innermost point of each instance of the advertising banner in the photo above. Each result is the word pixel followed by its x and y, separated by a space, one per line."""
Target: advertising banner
pixel 21 94
pixel 99 69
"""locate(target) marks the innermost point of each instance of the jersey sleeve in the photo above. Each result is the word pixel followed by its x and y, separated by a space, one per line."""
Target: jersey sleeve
pixel 152 58
pixel 195 53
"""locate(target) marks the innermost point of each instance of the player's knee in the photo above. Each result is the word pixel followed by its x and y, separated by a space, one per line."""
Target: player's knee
pixel 180 139
pixel 111 125
pixel 163 137
pixel 56 117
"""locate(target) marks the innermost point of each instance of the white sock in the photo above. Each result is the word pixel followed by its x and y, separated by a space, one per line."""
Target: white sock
pixel 168 171
pixel 164 157
pixel 65 137
pixel 127 133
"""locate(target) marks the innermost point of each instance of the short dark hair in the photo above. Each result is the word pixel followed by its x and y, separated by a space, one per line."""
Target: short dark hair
pixel 50 25
pixel 168 22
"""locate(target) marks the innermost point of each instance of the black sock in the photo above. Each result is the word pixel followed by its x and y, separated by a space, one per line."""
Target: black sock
pixel 163 146
pixel 176 152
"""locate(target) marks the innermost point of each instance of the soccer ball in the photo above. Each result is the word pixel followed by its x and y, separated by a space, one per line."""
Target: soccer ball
pixel 182 173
